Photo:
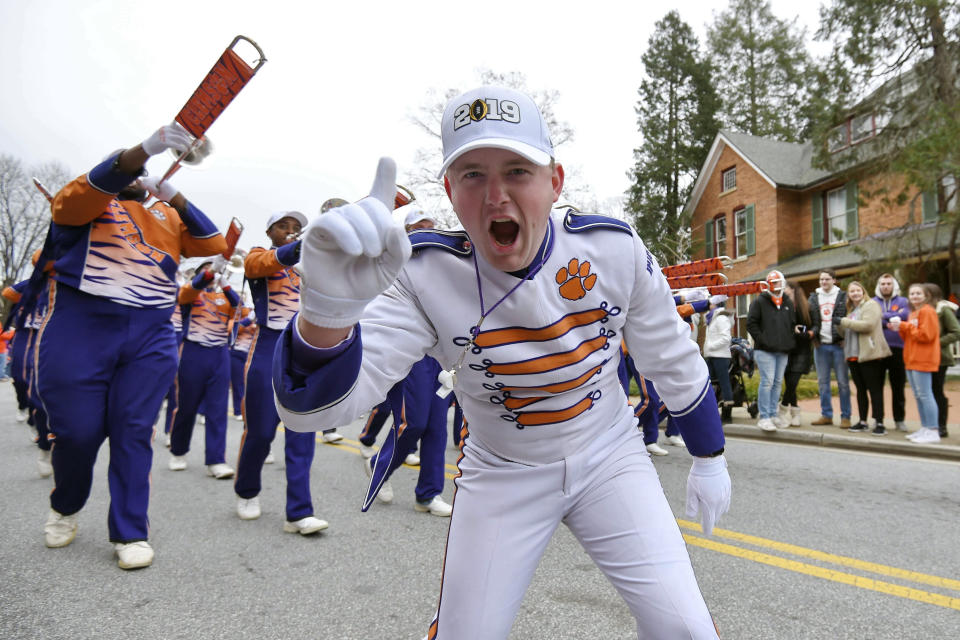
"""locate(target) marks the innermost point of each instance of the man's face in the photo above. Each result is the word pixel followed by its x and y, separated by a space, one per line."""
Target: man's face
pixel 886 287
pixel 426 223
pixel 503 202
pixel 826 282
pixel 133 191
pixel 283 231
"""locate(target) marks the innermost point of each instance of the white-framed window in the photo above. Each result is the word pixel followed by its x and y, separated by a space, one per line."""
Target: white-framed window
pixel 947 193
pixel 836 205
pixel 861 128
pixel 720 235
pixel 730 179
pixel 740 231
pixel 743 308
pixel 838 138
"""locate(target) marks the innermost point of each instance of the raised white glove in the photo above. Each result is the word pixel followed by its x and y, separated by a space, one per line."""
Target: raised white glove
pixel 708 491
pixel 717 300
pixel 693 295
pixel 169 136
pixel 159 190
pixel 351 254
pixel 219 262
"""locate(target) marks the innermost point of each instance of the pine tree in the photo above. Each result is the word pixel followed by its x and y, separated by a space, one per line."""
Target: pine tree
pixel 761 70
pixel 676 118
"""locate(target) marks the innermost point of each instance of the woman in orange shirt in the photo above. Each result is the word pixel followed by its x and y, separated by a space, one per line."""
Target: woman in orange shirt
pixel 921 358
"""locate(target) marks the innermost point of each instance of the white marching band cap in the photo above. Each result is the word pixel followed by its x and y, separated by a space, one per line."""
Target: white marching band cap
pixel 280 215
pixel 498 117
pixel 412 214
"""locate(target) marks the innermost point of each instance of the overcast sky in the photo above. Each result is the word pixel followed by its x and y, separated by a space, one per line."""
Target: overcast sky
pixel 80 78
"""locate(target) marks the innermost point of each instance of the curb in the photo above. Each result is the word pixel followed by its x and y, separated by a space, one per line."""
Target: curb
pixel 872 444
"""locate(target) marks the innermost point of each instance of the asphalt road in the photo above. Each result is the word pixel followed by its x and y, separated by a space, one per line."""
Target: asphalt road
pixel 819 543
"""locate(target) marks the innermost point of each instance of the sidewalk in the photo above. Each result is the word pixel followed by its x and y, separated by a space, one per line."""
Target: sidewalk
pixel 834 436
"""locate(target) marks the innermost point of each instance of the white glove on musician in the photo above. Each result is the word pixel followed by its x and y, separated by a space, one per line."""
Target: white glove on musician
pixel 693 295
pixel 717 300
pixel 219 263
pixel 352 254
pixel 708 491
pixel 160 190
pixel 169 136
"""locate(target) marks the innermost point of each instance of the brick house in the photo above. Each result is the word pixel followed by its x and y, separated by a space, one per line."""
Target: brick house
pixel 761 202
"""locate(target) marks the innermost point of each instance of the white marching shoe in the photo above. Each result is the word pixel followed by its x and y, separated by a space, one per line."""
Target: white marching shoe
pixel 331 437
pixel 412 459
pixel 435 506
pixel 133 555
pixel 177 463
pixel 248 508
pixel 44 468
pixel 269 459
pixel 220 471
pixel 60 530
pixel 675 440
pixel 305 526
pixel 654 449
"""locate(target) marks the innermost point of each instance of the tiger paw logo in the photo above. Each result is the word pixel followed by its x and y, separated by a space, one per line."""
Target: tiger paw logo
pixel 575 279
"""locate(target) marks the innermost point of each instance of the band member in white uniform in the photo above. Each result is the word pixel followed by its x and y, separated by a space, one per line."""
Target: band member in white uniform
pixel 525 310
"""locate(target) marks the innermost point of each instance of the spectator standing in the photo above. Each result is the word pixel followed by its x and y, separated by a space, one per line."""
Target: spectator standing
pixel 949 333
pixel 770 322
pixel 887 294
pixel 827 306
pixel 921 358
pixel 716 351
pixel 864 348
pixel 800 357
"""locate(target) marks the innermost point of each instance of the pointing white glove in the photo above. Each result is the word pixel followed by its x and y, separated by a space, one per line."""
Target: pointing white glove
pixel 160 190
pixel 717 300
pixel 708 491
pixel 170 136
pixel 352 254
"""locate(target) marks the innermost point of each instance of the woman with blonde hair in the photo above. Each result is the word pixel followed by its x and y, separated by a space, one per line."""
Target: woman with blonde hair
pixel 799 358
pixel 864 348
pixel 921 358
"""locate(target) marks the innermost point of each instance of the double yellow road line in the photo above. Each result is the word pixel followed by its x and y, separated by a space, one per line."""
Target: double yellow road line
pixel 816 570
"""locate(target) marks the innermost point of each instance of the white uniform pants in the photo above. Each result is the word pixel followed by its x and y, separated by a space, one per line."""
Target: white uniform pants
pixel 609 496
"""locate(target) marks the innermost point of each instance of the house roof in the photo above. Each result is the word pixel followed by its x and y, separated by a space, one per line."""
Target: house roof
pixel 787 164
pixel 903 243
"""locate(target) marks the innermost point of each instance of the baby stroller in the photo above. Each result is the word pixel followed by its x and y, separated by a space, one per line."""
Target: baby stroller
pixel 741 364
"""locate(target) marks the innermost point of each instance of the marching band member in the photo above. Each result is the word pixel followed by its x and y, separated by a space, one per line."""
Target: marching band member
pixel 528 309
pixel 107 331
pixel 242 330
pixel 275 287
pixel 203 377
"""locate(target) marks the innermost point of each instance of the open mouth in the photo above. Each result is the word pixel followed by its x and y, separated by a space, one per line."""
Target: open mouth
pixel 504 232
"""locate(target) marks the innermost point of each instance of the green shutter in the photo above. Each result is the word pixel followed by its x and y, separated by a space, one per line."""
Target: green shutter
pixel 748 227
pixel 930 206
pixel 816 226
pixel 853 223
pixel 709 238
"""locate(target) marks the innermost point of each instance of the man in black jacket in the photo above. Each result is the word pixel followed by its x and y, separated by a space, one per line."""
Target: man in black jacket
pixel 771 322
pixel 827 307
